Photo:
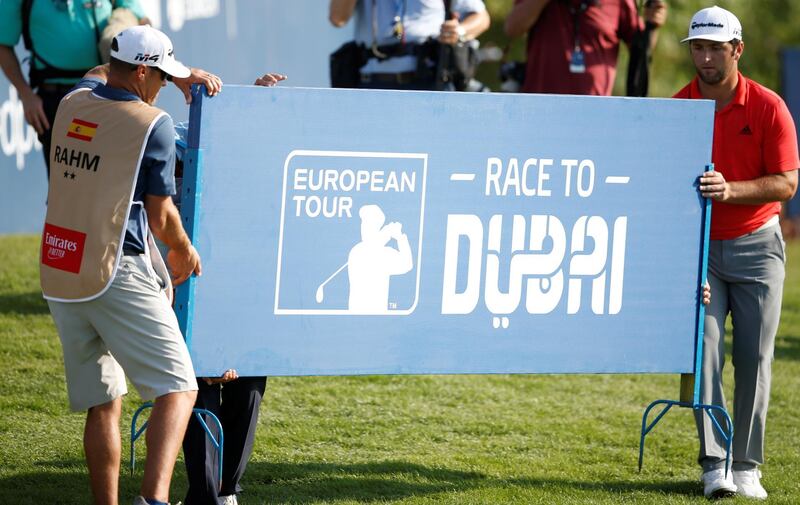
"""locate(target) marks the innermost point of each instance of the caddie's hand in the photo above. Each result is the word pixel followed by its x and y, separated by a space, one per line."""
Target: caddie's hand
pixel 713 185
pixel 183 263
pixel 449 33
pixel 706 293
pixel 212 83
pixel 34 111
pixel 655 12
pixel 269 79
pixel 228 376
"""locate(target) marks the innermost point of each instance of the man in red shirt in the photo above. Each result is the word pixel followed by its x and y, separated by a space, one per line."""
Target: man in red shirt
pixel 573 44
pixel 756 161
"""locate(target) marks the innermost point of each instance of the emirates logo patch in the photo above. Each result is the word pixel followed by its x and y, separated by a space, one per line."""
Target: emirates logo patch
pixel 62 248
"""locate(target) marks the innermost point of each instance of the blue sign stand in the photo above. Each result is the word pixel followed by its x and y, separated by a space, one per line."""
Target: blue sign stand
pixel 218 442
pixel 191 193
pixel 727 432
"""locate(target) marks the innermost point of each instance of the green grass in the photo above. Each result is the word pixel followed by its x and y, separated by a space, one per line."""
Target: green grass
pixel 397 439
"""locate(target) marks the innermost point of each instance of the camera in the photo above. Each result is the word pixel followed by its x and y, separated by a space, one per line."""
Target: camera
pixel 512 76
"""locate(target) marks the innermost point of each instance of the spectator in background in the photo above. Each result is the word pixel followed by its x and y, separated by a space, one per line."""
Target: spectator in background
pixel 62 37
pixel 755 168
pixel 573 44
pixel 234 400
pixel 397 29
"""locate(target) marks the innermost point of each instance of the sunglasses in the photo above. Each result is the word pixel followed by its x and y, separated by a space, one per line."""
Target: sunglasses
pixel 164 76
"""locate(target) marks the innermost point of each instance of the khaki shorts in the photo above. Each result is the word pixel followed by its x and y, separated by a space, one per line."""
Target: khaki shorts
pixel 129 330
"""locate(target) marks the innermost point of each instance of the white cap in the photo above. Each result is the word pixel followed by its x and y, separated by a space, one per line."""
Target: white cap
pixel 714 23
pixel 144 45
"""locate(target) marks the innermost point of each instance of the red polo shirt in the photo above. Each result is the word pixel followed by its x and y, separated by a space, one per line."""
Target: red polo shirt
pixel 754 135
pixel 551 39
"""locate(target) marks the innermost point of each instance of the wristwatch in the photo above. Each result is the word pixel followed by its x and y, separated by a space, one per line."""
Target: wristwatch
pixel 462 33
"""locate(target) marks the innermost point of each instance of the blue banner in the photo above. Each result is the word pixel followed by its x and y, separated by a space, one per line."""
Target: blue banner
pixel 237 40
pixel 363 232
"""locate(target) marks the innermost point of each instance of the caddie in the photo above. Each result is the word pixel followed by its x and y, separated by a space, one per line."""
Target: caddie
pixel 755 168
pixel 112 177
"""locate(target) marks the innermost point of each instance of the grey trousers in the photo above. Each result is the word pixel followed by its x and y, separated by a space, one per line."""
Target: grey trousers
pixel 746 277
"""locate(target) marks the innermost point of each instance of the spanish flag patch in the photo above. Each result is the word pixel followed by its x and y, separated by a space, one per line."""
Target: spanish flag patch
pixel 81 130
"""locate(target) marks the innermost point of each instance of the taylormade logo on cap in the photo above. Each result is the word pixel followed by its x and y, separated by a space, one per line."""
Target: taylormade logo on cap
pixel 714 23
pixel 144 45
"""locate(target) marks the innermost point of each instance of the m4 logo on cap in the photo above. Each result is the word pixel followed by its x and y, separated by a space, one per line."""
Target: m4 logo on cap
pixel 147 57
pixel 62 248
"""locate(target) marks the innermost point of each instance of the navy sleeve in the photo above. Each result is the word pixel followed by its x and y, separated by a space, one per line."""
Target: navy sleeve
pixel 88 82
pixel 158 162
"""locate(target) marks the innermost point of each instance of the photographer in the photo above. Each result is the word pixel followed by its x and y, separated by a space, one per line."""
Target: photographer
pixel 393 48
pixel 573 44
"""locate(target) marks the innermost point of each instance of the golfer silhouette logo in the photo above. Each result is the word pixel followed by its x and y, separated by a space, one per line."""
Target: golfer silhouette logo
pixel 372 262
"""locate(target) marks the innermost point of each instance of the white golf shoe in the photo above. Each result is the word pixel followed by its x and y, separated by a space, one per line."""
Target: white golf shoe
pixel 229 500
pixel 717 485
pixel 748 483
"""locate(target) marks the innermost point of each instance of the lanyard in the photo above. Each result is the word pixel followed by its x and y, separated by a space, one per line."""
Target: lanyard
pixel 577 13
pixel 398 29
pixel 397 25
pixel 400 9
